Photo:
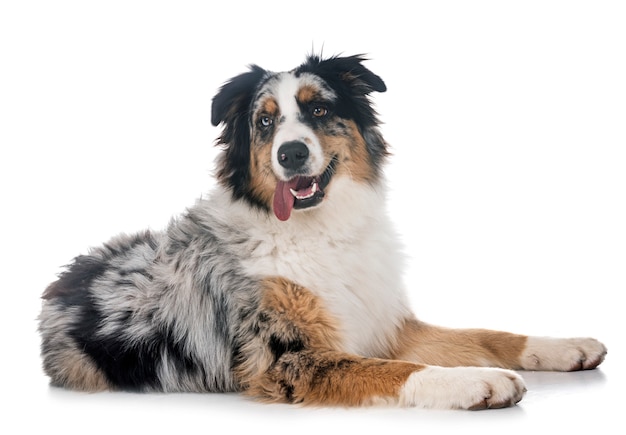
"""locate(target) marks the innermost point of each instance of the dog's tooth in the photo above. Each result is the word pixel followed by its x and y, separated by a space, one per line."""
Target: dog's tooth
pixel 314 188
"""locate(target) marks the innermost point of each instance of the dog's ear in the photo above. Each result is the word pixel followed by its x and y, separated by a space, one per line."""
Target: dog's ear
pixel 235 96
pixel 348 71
pixel 231 106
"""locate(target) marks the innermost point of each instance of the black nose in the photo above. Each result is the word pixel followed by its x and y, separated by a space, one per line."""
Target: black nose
pixel 293 155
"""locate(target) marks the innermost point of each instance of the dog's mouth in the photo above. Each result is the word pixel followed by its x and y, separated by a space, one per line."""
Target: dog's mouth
pixel 301 191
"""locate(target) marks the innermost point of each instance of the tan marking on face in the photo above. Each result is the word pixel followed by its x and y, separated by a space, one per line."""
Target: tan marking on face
pixel 446 347
pixel 269 107
pixel 351 151
pixel 307 93
pixel 262 179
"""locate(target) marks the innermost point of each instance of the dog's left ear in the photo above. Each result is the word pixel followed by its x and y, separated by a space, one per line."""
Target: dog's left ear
pixel 343 71
pixel 352 72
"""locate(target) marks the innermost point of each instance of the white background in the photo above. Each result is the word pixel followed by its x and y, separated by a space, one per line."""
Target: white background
pixel 507 122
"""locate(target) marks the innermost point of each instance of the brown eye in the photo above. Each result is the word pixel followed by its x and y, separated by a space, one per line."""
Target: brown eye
pixel 319 111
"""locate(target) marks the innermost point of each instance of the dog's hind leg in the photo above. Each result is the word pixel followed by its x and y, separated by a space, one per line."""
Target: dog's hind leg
pixel 429 344
pixel 66 364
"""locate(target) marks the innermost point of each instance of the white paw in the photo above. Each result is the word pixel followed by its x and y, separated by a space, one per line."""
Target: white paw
pixel 462 388
pixel 562 354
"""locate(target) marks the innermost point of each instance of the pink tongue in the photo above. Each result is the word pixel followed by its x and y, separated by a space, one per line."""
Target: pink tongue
pixel 283 199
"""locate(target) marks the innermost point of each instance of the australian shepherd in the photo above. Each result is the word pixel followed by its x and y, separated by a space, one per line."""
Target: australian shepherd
pixel 285 283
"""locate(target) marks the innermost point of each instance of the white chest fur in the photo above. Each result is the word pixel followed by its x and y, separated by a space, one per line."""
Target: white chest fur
pixel 345 252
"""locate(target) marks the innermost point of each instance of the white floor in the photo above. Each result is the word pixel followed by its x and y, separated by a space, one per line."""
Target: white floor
pixel 507 181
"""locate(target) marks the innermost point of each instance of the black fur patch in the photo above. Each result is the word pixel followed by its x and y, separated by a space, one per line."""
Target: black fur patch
pixel 279 346
pixel 128 365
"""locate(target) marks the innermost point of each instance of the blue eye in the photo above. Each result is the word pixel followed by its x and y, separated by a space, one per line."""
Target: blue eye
pixel 265 121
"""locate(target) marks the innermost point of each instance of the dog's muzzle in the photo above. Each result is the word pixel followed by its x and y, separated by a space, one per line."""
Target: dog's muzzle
pixel 301 190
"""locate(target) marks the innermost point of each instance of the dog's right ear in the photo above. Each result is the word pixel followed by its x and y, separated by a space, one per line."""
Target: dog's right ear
pixel 235 96
pixel 231 107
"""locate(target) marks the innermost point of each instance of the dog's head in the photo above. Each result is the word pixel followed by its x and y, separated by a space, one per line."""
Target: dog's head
pixel 286 136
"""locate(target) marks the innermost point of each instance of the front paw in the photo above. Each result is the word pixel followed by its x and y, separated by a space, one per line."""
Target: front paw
pixel 562 354
pixel 470 388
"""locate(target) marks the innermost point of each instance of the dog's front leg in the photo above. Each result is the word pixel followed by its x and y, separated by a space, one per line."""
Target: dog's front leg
pixel 334 378
pixel 429 344
pixel 292 353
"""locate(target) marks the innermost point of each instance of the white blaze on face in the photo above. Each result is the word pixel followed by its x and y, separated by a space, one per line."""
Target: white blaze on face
pixel 290 128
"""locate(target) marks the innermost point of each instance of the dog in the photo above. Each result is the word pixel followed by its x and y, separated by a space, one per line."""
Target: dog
pixel 285 282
